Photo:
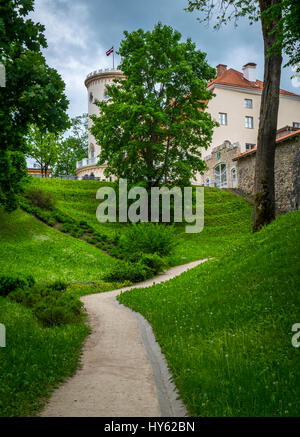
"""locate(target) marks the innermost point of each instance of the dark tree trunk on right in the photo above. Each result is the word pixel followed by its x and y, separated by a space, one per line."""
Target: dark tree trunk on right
pixel 264 206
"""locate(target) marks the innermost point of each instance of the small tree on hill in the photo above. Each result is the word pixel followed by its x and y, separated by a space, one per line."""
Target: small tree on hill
pixel 153 127
pixel 74 148
pixel 44 147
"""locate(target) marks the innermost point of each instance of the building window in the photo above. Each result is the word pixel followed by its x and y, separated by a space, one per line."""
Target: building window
pixel 248 103
pixel 222 118
pixel 296 124
pixel 91 98
pixel 250 146
pixel 92 151
pixel 207 182
pixel 106 95
pixel 221 176
pixel 249 122
pixel 233 177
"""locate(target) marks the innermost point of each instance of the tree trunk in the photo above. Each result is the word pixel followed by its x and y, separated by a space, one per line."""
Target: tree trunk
pixel 264 204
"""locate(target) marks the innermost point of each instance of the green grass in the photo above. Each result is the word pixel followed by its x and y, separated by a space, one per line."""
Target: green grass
pixel 227 218
pixel 28 246
pixel 225 326
pixel 35 359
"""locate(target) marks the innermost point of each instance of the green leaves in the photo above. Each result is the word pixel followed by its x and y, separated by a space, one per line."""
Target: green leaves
pixel 156 117
pixel 34 93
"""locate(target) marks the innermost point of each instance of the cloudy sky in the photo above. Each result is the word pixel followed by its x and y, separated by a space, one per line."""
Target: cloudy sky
pixel 80 31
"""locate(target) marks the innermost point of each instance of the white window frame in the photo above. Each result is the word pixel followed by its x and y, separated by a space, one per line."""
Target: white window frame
pixel 234 185
pixel 251 124
pixel 221 118
pixel 250 106
pixel 207 181
pixel 220 175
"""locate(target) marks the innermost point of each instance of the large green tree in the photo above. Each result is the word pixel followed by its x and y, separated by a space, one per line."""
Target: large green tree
pixel 34 94
pixel 154 125
pixel 74 147
pixel 280 21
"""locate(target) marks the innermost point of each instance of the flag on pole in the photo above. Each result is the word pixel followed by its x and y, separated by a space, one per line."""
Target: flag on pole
pixel 110 51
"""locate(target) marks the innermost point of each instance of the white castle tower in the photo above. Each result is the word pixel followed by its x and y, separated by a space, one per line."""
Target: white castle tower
pixel 95 83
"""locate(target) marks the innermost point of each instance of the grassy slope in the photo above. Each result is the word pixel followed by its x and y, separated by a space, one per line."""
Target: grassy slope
pixel 225 326
pixel 35 359
pixel 31 247
pixel 227 218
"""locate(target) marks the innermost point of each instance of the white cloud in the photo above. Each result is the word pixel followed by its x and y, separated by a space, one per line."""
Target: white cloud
pixel 73 49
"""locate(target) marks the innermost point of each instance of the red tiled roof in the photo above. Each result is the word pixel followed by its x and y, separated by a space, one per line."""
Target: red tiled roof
pixel 278 140
pixel 235 78
pixel 296 132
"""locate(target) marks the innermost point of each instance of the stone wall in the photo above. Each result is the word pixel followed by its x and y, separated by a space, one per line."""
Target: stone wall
pixel 287 174
pixel 222 154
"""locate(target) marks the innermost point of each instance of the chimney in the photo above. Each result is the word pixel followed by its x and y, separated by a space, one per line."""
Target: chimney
pixel 220 69
pixel 249 71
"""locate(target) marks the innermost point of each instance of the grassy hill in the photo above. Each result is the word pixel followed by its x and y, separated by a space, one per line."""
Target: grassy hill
pixel 28 246
pixel 225 326
pixel 227 218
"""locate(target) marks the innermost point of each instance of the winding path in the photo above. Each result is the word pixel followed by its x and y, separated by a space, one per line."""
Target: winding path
pixel 123 373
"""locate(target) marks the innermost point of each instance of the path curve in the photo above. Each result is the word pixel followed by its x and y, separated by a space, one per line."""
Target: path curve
pixel 123 373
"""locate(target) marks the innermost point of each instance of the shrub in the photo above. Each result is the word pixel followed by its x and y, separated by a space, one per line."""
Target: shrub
pixel 126 271
pixel 40 198
pixel 55 310
pixel 154 262
pixel 10 283
pixel 67 227
pixel 148 238
pixel 51 304
pixel 45 216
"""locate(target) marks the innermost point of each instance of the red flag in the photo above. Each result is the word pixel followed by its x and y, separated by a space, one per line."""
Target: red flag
pixel 110 51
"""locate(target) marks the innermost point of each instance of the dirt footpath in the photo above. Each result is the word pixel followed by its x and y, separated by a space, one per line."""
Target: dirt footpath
pixel 123 373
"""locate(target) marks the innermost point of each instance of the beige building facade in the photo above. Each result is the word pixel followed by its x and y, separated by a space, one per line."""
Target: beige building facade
pixel 236 107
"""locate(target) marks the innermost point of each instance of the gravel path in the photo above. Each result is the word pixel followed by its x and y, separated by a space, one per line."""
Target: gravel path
pixel 123 373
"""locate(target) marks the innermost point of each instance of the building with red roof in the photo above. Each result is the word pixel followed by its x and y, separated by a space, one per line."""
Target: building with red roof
pixel 236 106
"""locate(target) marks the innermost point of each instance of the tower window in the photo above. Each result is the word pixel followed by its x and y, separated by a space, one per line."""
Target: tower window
pixel 91 98
pixel 106 95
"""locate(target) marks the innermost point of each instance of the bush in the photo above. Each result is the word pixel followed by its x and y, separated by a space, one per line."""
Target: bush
pixel 148 238
pixel 51 304
pixel 10 283
pixel 45 216
pixel 55 309
pixel 126 271
pixel 40 198
pixel 154 262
